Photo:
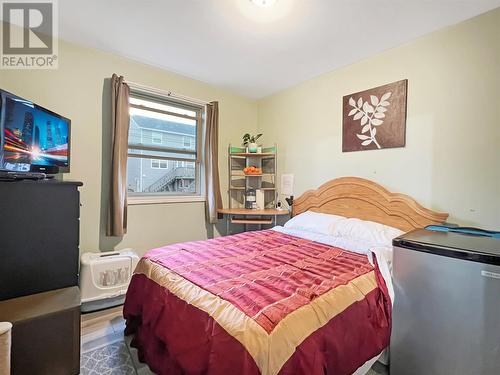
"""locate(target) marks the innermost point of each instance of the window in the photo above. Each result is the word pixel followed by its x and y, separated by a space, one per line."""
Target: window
pixel 159 164
pixel 164 156
pixel 156 138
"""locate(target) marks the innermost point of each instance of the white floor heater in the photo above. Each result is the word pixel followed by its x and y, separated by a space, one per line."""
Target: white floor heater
pixel 104 278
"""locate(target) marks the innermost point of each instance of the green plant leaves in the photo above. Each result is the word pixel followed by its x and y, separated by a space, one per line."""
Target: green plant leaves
pixel 247 138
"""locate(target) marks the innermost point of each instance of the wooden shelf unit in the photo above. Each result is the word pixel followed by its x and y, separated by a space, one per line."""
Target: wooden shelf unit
pixel 239 183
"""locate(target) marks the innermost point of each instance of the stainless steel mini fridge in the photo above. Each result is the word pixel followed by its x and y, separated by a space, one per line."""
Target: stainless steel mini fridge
pixel 446 316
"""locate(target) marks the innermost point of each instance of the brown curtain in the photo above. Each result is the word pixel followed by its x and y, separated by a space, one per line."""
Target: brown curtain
pixel 213 199
pixel 117 212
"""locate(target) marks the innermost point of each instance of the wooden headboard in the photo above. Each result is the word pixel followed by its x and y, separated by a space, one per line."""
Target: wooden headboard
pixel 367 200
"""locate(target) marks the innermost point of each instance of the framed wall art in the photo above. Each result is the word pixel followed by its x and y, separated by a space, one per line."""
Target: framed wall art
pixel 375 118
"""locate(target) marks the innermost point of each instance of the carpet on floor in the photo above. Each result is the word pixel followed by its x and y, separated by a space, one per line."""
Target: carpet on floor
pixel 110 359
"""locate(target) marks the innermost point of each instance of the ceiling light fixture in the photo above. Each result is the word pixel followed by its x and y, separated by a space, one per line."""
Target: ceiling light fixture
pixel 263 3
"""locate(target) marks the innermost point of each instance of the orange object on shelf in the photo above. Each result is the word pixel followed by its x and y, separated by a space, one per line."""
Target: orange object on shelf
pixel 252 170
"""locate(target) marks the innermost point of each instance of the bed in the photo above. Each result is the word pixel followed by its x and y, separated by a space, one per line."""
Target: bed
pixel 287 300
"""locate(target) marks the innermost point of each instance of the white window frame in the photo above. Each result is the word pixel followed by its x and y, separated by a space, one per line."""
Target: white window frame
pixel 137 151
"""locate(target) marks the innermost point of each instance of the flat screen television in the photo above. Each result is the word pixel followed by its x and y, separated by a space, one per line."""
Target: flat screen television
pixel 32 137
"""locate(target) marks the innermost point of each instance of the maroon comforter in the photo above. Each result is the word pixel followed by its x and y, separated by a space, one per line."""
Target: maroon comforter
pixel 257 303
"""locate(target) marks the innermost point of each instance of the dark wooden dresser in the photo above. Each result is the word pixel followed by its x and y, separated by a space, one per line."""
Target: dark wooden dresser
pixel 39 258
pixel 39 236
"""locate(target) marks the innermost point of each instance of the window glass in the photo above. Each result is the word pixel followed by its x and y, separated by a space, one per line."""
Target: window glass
pixel 162 156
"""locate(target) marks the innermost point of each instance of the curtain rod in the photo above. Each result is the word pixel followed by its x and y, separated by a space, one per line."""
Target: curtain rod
pixel 153 90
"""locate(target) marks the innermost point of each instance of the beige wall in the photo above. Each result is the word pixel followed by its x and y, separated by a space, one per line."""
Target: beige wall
pixel 451 161
pixel 78 90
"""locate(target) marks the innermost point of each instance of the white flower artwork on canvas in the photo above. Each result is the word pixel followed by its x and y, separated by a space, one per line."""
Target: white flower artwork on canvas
pixel 371 114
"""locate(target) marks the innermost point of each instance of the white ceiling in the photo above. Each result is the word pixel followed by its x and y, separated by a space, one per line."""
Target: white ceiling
pixel 251 50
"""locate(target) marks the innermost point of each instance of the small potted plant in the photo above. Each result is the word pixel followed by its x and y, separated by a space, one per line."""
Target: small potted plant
pixel 250 141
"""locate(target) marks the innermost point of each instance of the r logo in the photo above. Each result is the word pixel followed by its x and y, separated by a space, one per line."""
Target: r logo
pixel 27 28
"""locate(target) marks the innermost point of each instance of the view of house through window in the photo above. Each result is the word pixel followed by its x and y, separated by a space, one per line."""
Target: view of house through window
pixel 163 157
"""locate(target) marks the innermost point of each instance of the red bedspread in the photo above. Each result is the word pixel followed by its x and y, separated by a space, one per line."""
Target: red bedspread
pixel 257 302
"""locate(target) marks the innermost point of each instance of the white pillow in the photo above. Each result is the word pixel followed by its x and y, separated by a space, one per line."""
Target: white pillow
pixel 314 222
pixel 368 232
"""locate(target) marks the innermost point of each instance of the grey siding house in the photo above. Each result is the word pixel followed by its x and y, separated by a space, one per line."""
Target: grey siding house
pixel 155 175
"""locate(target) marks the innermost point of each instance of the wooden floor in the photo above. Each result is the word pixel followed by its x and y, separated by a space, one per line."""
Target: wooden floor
pixel 102 327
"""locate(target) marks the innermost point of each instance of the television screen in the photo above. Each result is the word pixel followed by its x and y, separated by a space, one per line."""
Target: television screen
pixel 33 137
